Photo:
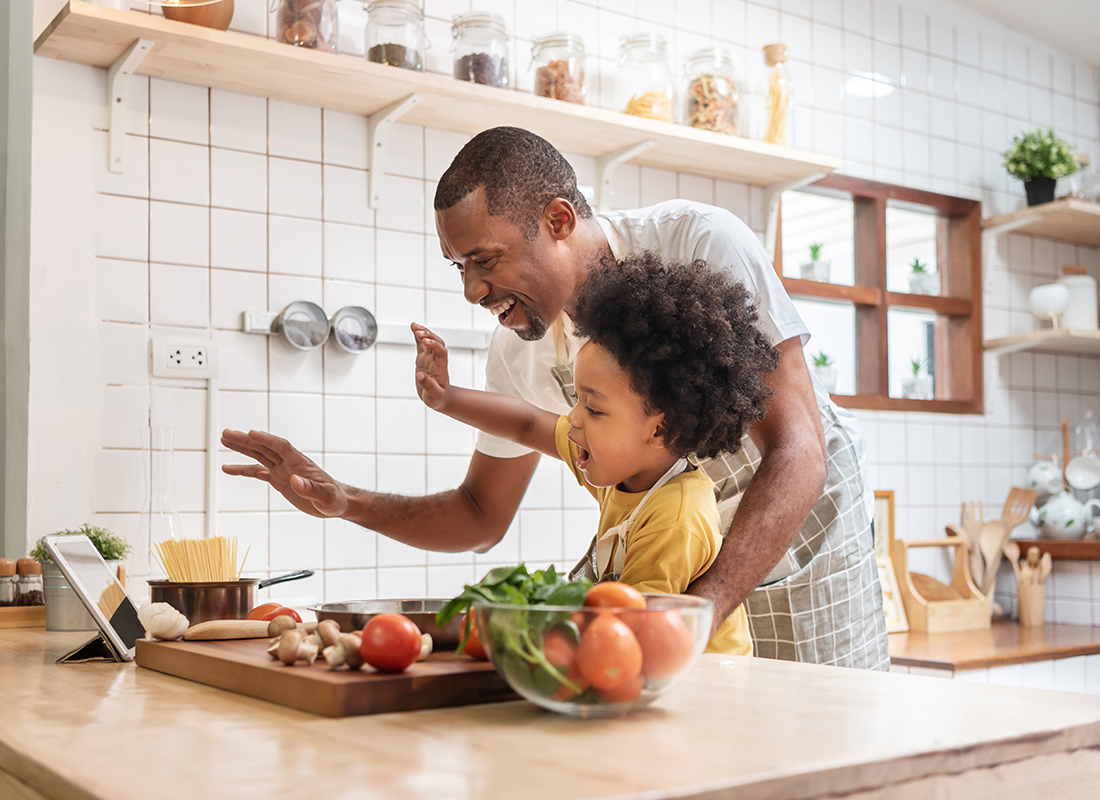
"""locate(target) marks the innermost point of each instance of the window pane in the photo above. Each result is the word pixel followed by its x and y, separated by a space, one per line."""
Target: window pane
pixel 910 236
pixel 810 219
pixel 911 353
pixel 832 332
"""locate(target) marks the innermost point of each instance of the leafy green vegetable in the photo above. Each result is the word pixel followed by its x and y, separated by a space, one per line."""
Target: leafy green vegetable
pixel 516 636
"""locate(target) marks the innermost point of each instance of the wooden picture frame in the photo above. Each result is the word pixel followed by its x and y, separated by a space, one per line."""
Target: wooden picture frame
pixel 896 621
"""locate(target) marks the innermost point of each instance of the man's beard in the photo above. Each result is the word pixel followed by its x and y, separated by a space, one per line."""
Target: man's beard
pixel 535 329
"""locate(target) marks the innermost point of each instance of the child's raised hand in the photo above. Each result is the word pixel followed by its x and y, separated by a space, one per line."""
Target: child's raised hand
pixel 433 382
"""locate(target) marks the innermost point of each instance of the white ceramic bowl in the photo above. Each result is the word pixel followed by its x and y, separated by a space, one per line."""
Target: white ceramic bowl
pixel 1049 300
pixel 1083 472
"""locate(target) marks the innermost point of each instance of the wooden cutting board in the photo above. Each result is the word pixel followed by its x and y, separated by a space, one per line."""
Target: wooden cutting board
pixel 244 666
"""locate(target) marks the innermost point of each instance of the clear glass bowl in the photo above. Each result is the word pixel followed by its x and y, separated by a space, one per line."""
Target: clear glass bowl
pixel 595 662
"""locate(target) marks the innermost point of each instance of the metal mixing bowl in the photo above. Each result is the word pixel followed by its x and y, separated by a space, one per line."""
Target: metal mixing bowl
pixel 353 615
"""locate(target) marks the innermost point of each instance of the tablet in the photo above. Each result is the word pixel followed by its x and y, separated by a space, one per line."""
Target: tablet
pixel 97 586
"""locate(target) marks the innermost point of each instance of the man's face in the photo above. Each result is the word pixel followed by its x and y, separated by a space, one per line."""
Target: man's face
pixel 525 285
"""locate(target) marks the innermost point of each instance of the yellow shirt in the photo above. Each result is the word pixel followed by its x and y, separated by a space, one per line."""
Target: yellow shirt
pixel 674 539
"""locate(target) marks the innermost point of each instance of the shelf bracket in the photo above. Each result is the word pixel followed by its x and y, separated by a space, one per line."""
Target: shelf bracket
pixel 378 125
pixel 605 171
pixel 118 78
pixel 771 204
pixel 989 242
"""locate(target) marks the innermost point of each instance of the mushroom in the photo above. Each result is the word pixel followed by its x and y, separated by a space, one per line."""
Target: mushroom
pixel 279 624
pixel 289 645
pixel 345 652
pixel 425 646
pixel 329 631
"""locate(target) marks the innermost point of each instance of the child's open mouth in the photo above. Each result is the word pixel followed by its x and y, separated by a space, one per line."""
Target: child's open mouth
pixel 582 458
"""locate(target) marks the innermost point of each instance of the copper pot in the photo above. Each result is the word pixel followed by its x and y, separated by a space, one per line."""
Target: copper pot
pixel 217 14
pixel 201 601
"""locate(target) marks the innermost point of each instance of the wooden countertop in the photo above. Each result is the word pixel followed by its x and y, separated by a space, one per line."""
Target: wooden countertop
pixel 1003 643
pixel 762 729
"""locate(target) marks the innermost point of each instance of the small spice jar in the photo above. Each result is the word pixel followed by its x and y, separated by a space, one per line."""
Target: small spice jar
pixel 395 33
pixel 7 581
pixel 558 61
pixel 28 586
pixel 712 93
pixel 645 80
pixel 307 23
pixel 480 45
pixel 778 93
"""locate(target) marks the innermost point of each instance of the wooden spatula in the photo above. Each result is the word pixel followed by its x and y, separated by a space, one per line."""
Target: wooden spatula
pixel 1017 507
pixel 972 523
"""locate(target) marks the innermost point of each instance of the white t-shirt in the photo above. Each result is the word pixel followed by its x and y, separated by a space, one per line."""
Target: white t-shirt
pixel 679 231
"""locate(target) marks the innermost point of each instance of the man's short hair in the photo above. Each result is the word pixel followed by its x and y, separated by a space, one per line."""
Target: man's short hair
pixel 520 174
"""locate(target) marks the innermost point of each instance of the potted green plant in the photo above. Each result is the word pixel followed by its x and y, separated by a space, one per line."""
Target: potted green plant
pixel 922 280
pixel 64 611
pixel 817 268
pixel 1039 159
pixel 825 372
pixel 917 385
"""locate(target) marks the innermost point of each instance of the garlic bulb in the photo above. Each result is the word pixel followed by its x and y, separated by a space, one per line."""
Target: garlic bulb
pixel 162 621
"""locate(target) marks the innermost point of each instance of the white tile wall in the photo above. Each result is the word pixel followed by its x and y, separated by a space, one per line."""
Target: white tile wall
pixel 232 203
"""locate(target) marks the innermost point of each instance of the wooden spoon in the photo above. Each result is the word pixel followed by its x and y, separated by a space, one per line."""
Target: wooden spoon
pixel 1012 553
pixel 993 539
pixel 1045 565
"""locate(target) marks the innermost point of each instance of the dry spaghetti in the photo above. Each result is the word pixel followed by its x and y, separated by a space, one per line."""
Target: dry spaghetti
pixel 190 560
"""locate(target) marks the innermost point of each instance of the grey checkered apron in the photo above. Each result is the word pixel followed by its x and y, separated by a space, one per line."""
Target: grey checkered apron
pixel 829 610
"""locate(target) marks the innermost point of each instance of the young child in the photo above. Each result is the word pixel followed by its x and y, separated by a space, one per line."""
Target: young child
pixel 674 365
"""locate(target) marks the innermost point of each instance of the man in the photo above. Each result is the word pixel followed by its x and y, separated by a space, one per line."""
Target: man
pixel 510 217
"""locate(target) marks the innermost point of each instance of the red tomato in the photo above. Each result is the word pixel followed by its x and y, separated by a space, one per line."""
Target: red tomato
pixel 574 675
pixel 281 611
pixel 580 619
pixel 613 594
pixel 391 642
pixel 609 653
pixel 261 611
pixel 667 644
pixel 474 647
pixel 561 651
pixel 624 692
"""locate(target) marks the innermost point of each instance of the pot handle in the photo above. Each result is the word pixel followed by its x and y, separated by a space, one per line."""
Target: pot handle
pixel 293 576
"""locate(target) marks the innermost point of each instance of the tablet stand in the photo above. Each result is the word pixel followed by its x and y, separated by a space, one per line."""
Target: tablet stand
pixel 95 649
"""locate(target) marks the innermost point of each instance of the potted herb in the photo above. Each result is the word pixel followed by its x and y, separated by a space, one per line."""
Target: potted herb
pixel 921 279
pixel 1039 159
pixel 918 384
pixel 817 268
pixel 64 611
pixel 825 372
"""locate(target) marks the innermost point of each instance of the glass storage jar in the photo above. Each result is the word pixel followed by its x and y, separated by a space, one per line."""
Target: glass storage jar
pixel 644 79
pixel 7 581
pixel 712 98
pixel 778 94
pixel 306 23
pixel 558 61
pixel 395 33
pixel 480 45
pixel 28 585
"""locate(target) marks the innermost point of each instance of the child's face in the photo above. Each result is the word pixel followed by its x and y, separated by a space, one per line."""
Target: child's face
pixel 619 441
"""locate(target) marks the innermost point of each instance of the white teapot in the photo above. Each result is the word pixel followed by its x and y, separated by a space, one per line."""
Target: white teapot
pixel 1064 517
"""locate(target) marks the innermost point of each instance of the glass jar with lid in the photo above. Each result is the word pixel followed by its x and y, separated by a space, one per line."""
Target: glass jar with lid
pixel 558 61
pixel 28 586
pixel 7 581
pixel 306 23
pixel 644 79
pixel 395 33
pixel 480 45
pixel 778 94
pixel 712 97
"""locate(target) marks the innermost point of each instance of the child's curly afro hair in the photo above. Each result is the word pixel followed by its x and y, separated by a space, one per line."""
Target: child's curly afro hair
pixel 686 335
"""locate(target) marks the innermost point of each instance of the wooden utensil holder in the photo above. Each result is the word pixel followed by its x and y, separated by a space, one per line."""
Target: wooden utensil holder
pixel 936 607
pixel 1031 602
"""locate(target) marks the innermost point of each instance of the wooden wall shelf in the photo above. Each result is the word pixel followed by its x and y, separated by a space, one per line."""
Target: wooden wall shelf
pixel 1067 220
pixel 237 62
pixel 1068 549
pixel 1004 643
pixel 1047 341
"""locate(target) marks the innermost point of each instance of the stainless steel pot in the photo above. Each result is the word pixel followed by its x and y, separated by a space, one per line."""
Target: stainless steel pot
pixel 201 601
pixel 354 614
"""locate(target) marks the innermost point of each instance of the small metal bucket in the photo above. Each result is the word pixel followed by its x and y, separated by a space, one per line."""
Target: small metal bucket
pixel 64 611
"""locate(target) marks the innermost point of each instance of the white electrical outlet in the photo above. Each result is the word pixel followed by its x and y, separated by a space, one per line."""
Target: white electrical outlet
pixel 174 357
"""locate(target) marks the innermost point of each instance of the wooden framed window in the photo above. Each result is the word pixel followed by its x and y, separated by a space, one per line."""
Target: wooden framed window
pixel 892 347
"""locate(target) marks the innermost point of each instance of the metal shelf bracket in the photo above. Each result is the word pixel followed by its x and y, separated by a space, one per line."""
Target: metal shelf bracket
pixel 118 78
pixel 989 243
pixel 605 170
pixel 771 204
pixel 378 125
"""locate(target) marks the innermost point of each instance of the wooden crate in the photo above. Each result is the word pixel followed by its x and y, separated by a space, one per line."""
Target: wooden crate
pixel 936 607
